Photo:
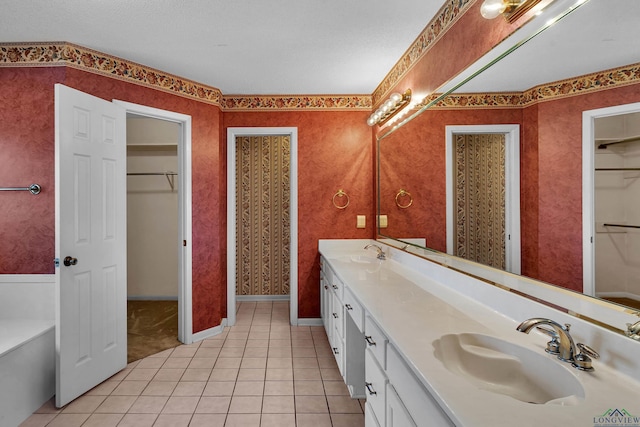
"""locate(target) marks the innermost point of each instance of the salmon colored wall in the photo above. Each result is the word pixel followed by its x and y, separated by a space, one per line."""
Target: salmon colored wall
pixel 334 152
pixel 29 116
pixel 413 158
pixel 26 157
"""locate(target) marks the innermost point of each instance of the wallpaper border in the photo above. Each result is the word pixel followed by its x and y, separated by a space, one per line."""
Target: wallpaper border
pixel 448 14
pixel 581 85
pixel 59 54
pixel 67 54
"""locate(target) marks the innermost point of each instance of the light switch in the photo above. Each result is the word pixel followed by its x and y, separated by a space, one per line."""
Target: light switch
pixel 361 221
pixel 382 221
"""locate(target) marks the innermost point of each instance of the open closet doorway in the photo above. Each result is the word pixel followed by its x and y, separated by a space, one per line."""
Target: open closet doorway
pixel 159 230
pixel 483 193
pixel 611 207
pixel 262 217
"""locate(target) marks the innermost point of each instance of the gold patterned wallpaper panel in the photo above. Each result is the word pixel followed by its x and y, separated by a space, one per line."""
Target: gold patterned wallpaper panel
pixel 262 212
pixel 479 214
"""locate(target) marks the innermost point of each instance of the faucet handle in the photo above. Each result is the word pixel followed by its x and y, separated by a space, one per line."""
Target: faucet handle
pixel 553 346
pixel 582 361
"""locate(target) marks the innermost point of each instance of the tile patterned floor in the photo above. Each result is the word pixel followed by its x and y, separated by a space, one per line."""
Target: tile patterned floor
pixel 260 372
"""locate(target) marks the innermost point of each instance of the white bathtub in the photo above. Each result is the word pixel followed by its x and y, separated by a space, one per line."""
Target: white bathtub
pixel 27 345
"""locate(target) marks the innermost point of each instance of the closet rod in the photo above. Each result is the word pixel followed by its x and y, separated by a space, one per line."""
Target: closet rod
pixel 622 225
pixel 620 141
pixel 152 173
pixel 618 169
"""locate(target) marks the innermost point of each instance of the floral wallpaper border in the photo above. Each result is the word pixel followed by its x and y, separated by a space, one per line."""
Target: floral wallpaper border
pixel 602 80
pixel 67 54
pixel 444 19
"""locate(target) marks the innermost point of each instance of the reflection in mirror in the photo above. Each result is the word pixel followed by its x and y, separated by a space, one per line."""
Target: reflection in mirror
pixel 588 60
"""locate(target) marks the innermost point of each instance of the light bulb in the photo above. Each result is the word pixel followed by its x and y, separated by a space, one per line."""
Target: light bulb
pixel 491 9
pixel 371 121
pixel 395 97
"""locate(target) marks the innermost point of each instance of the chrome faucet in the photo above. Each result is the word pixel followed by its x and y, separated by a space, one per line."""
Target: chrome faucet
pixel 562 343
pixel 566 347
pixel 381 254
pixel 633 330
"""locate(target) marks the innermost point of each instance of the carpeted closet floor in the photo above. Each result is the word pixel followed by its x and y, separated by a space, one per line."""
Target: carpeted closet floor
pixel 152 326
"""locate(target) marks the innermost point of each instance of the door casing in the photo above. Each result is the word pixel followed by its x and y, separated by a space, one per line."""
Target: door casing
pixel 512 186
pixel 185 315
pixel 232 134
pixel 588 189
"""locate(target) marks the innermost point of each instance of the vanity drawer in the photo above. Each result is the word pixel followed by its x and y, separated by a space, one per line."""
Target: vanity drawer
pixel 354 309
pixel 337 286
pixel 337 314
pixel 416 399
pixel 397 414
pixel 376 386
pixel 337 347
pixel 376 341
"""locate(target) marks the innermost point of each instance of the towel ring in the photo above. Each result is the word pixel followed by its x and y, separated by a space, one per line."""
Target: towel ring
pixel 403 193
pixel 340 193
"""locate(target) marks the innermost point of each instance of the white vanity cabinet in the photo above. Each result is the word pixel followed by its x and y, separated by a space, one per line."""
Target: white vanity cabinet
pixel 345 337
pixel 370 365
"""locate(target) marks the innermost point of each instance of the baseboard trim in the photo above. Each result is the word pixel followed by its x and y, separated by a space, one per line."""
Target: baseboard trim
pixel 151 298
pixel 250 298
pixel 211 332
pixel 310 322
pixel 618 295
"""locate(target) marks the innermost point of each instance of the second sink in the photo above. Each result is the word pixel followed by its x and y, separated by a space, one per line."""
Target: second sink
pixel 501 367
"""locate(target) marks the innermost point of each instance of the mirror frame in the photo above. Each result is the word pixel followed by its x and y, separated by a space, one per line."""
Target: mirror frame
pixel 609 315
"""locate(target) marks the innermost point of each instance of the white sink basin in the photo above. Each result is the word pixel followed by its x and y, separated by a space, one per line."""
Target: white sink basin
pixel 363 259
pixel 501 367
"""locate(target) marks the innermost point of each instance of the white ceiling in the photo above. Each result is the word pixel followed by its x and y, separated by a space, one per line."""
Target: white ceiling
pixel 238 46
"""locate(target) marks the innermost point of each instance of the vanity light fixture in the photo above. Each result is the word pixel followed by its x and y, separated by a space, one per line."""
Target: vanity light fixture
pixel 390 108
pixel 510 9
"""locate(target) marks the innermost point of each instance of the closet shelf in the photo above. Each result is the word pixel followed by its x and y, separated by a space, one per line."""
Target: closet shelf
pixel 152 147
pixel 168 174
pixel 621 225
pixel 617 169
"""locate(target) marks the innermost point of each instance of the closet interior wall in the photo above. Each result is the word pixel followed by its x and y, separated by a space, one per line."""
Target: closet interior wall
pixel 152 208
pixel 617 201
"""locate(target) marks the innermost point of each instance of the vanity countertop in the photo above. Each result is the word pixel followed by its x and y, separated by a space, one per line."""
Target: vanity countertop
pixel 414 311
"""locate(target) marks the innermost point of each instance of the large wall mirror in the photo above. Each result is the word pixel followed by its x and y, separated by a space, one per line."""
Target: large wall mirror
pixel 489 178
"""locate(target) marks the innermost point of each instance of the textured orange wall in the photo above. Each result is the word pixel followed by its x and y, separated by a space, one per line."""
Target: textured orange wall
pixel 27 223
pixel 334 151
pixel 29 116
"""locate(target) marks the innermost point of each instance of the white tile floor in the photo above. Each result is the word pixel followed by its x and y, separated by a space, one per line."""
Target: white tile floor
pixel 260 372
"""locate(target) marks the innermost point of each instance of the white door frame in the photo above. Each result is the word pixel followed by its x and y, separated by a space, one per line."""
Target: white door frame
pixel 232 134
pixel 185 314
pixel 512 186
pixel 588 189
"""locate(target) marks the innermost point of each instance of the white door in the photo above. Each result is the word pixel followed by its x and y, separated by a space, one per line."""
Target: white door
pixel 91 305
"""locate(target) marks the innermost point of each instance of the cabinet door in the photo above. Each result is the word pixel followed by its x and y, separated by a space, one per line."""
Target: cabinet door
pixel 376 385
pixel 397 414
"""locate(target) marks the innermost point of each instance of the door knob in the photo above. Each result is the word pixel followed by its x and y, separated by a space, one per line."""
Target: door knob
pixel 68 261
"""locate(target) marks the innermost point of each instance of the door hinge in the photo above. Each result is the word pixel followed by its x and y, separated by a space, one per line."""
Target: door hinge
pixel 56 262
